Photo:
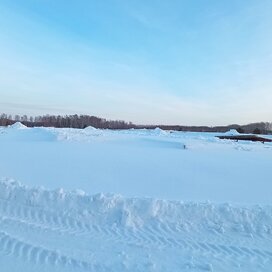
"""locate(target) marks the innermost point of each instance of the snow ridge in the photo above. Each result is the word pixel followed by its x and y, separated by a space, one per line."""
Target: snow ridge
pixel 116 210
pixel 220 231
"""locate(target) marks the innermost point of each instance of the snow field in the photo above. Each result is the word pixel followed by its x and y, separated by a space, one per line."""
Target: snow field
pixel 180 201
pixel 143 163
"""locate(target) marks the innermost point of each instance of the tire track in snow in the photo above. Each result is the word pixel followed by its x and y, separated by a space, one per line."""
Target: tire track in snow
pixel 161 235
pixel 37 254
pixel 157 235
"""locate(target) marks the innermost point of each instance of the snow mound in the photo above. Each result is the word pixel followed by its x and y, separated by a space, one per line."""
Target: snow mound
pixel 159 131
pixel 232 132
pixel 90 128
pixel 18 125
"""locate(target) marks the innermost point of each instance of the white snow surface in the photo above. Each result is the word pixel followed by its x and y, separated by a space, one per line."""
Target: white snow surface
pixel 133 200
pixel 143 163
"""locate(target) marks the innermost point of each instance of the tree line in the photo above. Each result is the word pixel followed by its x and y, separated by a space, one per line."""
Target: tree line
pixel 83 121
pixel 255 128
pixel 67 121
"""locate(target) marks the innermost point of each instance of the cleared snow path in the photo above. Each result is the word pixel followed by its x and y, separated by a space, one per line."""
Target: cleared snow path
pixel 45 230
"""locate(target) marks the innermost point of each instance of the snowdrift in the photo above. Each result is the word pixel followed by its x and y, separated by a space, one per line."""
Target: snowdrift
pixel 115 210
pixel 18 132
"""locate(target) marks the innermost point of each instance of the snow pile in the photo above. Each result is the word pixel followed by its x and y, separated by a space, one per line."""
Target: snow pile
pixel 90 128
pixel 232 132
pixel 159 131
pixel 18 125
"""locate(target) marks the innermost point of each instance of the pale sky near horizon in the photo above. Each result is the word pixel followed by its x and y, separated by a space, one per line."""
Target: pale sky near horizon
pixel 191 62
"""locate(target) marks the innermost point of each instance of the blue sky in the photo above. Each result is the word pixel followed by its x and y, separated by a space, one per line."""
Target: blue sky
pixel 150 62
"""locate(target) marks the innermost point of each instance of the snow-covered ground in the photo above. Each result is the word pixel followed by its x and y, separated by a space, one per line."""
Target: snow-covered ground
pixel 134 200
pixel 139 163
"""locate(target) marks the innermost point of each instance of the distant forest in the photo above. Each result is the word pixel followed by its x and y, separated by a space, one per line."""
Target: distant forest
pixel 67 121
pixel 83 121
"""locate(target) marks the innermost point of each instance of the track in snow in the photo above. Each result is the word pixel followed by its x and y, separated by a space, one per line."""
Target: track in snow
pixel 54 231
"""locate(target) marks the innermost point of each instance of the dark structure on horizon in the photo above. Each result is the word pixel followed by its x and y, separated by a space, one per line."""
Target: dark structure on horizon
pixel 252 138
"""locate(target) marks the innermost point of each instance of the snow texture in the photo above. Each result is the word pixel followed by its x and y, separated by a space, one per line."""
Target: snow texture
pixel 73 231
pixel 171 201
